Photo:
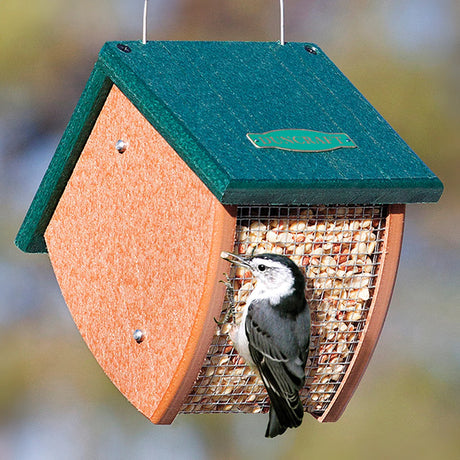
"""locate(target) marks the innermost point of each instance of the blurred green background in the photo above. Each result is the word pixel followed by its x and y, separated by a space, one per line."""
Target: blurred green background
pixel 55 402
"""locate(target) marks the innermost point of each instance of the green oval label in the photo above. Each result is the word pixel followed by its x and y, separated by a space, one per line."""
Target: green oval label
pixel 301 140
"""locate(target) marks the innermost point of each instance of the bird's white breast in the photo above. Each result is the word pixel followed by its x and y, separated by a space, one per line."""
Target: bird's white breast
pixel 239 337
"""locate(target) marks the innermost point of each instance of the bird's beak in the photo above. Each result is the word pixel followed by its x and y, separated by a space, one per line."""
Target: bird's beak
pixel 235 259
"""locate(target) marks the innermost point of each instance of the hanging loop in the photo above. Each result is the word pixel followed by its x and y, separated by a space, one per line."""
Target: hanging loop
pixel 282 22
pixel 144 22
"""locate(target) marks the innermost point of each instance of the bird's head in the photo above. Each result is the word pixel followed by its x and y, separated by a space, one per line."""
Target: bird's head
pixel 277 276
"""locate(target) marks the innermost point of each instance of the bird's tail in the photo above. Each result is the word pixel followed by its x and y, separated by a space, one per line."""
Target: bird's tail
pixel 274 427
pixel 284 414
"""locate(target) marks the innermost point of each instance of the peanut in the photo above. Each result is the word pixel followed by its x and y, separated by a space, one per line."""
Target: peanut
pixel 336 253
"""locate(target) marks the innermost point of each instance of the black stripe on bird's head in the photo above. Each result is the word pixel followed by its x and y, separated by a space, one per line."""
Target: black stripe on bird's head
pixel 273 272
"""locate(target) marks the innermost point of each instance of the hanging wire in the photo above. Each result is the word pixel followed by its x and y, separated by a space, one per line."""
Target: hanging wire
pixel 144 23
pixel 282 22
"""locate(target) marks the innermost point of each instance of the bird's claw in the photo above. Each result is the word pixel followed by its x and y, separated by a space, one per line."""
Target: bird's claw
pixel 230 299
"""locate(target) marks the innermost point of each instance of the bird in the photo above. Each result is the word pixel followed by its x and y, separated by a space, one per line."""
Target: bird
pixel 273 335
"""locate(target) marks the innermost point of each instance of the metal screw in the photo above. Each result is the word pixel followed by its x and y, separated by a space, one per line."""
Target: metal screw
pixel 138 336
pixel 311 49
pixel 121 146
pixel 124 48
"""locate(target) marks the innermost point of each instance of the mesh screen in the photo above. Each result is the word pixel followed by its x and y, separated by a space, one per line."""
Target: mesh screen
pixel 339 250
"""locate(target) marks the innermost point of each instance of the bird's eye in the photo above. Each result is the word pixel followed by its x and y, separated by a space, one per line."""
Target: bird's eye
pixel 261 267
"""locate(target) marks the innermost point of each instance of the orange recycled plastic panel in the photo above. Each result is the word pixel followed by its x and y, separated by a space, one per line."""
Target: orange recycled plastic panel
pixel 135 243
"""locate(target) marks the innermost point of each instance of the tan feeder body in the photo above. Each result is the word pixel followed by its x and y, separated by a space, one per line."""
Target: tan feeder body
pixel 180 150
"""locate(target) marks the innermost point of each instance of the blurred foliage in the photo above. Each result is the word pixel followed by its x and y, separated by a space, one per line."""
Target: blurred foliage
pixel 419 103
pixel 404 413
pixel 228 20
pixel 47 50
pixel 49 362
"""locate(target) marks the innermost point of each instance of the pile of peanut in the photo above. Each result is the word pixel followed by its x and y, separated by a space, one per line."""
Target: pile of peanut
pixel 338 249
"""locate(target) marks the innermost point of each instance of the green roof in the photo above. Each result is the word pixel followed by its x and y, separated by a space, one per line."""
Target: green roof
pixel 206 97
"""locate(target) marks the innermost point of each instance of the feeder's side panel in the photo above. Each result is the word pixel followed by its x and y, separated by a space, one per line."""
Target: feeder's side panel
pixel 377 313
pixel 30 237
pixel 135 243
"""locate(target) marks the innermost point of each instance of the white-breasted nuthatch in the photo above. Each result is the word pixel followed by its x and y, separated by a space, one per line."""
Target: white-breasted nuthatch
pixel 274 334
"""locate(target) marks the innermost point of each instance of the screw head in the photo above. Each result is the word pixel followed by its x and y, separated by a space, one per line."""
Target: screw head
pixel 124 48
pixel 311 49
pixel 138 336
pixel 121 146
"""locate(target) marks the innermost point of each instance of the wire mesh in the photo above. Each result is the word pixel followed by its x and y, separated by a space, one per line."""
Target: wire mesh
pixel 339 249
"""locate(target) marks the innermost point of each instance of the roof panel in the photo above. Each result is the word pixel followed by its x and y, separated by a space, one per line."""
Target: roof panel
pixel 220 91
pixel 205 97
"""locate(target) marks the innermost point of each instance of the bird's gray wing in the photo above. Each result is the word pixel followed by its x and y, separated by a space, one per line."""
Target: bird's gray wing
pixel 283 340
pixel 276 355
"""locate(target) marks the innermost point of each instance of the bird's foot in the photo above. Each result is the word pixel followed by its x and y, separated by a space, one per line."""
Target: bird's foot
pixel 230 295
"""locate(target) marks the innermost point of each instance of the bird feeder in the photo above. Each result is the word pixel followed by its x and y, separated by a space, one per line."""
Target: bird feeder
pixel 180 150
